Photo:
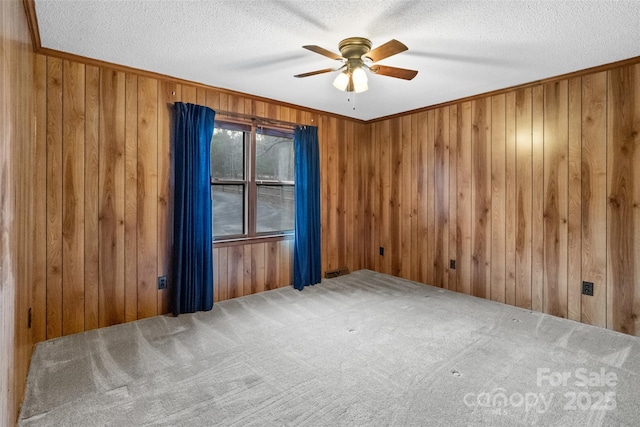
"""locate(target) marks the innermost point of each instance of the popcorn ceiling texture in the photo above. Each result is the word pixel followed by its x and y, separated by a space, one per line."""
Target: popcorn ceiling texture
pixel 461 48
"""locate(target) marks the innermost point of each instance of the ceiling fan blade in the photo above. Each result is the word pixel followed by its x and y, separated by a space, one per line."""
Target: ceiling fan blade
pixel 386 50
pixel 400 73
pixel 313 73
pixel 323 51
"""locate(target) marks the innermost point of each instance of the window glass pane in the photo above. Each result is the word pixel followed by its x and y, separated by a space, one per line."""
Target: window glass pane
pixel 228 209
pixel 227 154
pixel 274 158
pixel 275 208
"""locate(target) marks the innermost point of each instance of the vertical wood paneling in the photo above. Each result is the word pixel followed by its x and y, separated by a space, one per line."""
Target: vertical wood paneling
pixel 463 216
pixel 405 197
pixel 131 199
pixel 323 136
pixel 147 197
pixel 374 192
pixel 216 274
pixel 333 204
pixel 524 182
pixel 235 269
pixel 429 206
pixel 221 271
pixel 259 109
pixel 54 197
pixel 188 94
pixel 594 198
pixel 623 209
pixel 168 93
pixel 111 197
pixel 511 199
pixel 212 99
pixel 23 194
pixel 537 205
pixel 422 196
pixel 365 149
pixel 481 198
pixel 91 200
pixel 272 255
pixel 284 263
pixel 498 198
pixel 351 168
pixel 246 270
pixel 38 248
pixel 384 178
pixel 414 274
pixel 574 226
pixel 556 197
pixel 338 191
pixel 258 268
pixel 73 192
pixel 441 198
pixel 223 102
pixel 201 96
pixel 395 199
pixel 362 224
pixel 453 196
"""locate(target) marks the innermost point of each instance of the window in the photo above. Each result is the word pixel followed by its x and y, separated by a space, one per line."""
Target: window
pixel 252 181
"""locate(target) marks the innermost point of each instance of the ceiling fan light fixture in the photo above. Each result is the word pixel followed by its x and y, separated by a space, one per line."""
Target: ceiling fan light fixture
pixel 359 80
pixel 356 56
pixel 342 81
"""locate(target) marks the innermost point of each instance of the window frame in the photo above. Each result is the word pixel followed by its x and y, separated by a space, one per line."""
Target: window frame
pixel 250 183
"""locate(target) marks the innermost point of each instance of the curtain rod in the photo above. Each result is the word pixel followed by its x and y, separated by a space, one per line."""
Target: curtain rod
pixel 258 120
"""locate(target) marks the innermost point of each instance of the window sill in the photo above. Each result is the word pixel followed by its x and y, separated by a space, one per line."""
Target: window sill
pixel 249 240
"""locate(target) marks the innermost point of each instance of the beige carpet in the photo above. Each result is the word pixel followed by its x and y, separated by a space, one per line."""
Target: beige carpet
pixel 363 349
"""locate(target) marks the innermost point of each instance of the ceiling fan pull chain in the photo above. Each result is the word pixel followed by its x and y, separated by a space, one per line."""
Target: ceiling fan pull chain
pixel 351 98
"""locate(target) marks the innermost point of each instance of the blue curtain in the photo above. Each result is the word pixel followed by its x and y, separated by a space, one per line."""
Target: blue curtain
pixel 192 255
pixel 306 245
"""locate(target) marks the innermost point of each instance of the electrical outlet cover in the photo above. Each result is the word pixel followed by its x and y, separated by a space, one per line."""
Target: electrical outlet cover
pixel 587 288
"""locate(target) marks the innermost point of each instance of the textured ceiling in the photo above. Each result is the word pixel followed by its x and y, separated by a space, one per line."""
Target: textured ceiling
pixel 461 48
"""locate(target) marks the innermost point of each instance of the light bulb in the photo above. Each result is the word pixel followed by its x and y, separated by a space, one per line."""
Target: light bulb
pixel 341 81
pixel 359 80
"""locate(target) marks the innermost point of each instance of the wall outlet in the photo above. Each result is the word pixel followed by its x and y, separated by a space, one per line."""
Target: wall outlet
pixel 381 250
pixel 587 288
pixel 162 282
pixel 452 264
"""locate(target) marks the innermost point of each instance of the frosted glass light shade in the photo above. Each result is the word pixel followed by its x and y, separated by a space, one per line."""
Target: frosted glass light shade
pixel 359 80
pixel 341 81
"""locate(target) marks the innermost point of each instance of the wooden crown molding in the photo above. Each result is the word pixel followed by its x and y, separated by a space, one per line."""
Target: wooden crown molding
pixel 574 74
pixel 32 22
pixel 30 11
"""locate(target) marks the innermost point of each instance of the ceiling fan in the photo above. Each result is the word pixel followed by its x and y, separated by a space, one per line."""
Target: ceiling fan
pixel 357 56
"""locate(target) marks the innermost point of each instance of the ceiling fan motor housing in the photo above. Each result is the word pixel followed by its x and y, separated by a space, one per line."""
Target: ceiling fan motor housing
pixel 354 47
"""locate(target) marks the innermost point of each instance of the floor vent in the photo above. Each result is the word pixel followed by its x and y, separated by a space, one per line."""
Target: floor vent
pixel 335 273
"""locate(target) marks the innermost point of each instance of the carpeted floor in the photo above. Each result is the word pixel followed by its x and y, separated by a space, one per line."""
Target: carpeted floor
pixel 363 349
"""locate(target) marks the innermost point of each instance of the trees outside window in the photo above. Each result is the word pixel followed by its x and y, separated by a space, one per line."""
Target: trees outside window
pixel 252 181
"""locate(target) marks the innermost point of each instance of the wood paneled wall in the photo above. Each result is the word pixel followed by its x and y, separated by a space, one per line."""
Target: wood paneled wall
pixel 106 194
pixel 530 191
pixel 248 269
pixel 18 214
